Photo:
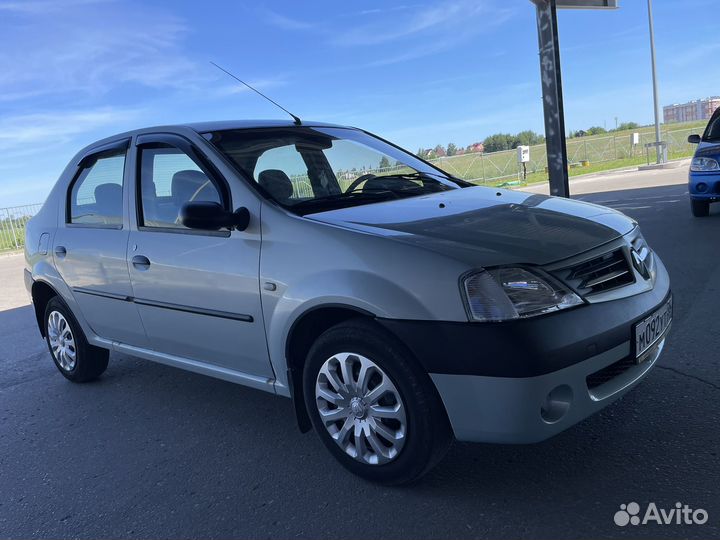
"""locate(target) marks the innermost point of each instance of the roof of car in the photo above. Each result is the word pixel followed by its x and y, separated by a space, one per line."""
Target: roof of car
pixel 246 124
pixel 203 127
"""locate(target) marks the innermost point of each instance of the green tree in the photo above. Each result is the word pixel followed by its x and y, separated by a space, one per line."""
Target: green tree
pixel 595 130
pixel 627 126
pixel 528 138
pixel 498 142
pixel 384 162
pixel 451 149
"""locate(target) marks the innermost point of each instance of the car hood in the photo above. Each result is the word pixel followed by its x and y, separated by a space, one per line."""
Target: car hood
pixel 488 227
pixel 708 148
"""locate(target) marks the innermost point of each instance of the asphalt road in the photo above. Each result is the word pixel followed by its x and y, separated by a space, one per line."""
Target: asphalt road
pixel 153 452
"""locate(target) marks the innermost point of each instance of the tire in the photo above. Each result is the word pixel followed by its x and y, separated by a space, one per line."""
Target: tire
pixel 421 432
pixel 74 357
pixel 699 208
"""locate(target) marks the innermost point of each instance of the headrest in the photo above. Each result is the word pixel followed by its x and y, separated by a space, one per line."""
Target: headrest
pixel 184 184
pixel 277 184
pixel 108 198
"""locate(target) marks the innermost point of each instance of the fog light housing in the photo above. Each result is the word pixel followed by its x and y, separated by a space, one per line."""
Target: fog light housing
pixel 701 187
pixel 557 404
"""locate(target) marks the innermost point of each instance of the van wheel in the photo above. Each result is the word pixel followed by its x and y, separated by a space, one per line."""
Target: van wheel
pixel 699 208
pixel 76 359
pixel 373 407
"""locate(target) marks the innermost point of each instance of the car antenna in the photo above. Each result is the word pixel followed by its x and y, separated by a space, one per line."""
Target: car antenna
pixel 296 119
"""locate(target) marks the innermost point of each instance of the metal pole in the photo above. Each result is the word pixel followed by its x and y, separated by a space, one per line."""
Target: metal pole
pixel 552 97
pixel 655 86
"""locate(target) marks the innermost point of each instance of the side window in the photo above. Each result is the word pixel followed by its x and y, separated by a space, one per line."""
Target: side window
pixel 96 194
pixel 169 178
pixel 283 173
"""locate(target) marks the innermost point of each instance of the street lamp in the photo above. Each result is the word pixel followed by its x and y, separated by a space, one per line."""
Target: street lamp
pixel 660 155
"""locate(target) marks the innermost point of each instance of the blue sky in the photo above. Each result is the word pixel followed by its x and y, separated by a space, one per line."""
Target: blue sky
pixel 418 73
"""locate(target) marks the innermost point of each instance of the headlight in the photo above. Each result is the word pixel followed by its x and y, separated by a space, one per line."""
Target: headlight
pixel 512 293
pixel 703 164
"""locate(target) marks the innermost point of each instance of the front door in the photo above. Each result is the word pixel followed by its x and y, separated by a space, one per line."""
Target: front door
pixel 197 291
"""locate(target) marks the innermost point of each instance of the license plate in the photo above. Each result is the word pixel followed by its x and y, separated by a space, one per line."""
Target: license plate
pixel 650 330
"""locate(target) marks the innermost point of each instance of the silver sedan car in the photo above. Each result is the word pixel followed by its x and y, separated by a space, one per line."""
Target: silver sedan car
pixel 397 306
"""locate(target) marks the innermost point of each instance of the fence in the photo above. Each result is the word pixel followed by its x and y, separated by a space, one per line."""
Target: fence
pixel 488 167
pixel 12 225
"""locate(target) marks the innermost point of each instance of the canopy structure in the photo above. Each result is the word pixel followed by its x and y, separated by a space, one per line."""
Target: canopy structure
pixel 552 85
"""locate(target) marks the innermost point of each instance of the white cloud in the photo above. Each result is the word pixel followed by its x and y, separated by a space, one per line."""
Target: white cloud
pixel 45 6
pixel 283 21
pixel 93 50
pixel 460 17
pixel 37 131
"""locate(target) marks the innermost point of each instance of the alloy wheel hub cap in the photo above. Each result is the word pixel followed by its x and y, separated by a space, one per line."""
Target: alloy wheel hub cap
pixel 357 406
pixel 361 408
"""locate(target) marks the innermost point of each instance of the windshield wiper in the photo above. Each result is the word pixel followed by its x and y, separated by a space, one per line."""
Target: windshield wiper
pixel 435 177
pixel 351 196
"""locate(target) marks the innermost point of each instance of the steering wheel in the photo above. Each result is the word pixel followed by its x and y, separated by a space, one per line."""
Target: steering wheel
pixel 359 180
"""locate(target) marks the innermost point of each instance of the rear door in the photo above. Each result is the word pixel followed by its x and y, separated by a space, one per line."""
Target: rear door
pixel 91 242
pixel 197 291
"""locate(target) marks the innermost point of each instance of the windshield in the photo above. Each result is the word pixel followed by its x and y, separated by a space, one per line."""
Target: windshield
pixel 314 169
pixel 712 132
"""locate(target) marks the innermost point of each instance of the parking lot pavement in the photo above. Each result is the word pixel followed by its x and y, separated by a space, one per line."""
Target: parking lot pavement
pixel 11 282
pixel 150 451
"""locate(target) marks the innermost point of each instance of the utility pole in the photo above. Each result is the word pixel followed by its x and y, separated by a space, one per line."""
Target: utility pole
pixel 655 86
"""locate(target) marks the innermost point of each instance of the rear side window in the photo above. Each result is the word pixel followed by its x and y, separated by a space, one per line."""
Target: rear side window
pixel 169 179
pixel 96 196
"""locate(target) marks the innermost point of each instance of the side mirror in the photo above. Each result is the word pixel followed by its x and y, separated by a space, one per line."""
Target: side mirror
pixel 211 216
pixel 694 138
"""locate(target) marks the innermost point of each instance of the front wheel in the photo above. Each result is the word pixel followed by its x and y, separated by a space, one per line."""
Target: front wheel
pixel 699 208
pixel 74 357
pixel 372 406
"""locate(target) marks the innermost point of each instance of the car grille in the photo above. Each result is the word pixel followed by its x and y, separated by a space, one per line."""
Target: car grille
pixel 603 273
pixel 608 373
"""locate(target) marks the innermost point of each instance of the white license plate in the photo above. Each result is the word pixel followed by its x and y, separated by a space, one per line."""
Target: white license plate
pixel 651 329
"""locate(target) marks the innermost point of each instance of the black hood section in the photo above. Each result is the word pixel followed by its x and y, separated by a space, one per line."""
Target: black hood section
pixel 495 226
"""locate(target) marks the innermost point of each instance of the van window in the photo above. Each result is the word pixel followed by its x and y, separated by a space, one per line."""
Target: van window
pixel 96 196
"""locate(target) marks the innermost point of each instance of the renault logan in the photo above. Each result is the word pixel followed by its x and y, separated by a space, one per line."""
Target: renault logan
pixel 397 306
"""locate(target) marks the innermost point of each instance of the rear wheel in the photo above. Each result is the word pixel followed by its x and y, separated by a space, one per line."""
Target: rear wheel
pixel 699 208
pixel 74 357
pixel 372 406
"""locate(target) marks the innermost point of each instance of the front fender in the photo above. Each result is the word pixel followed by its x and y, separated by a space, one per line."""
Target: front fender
pixel 353 289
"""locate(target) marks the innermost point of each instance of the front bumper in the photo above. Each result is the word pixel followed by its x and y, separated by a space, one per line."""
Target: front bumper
pixel 496 379
pixel 523 410
pixel 704 186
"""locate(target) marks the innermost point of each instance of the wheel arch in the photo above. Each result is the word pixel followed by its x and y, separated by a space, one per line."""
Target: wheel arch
pixel 41 293
pixel 303 332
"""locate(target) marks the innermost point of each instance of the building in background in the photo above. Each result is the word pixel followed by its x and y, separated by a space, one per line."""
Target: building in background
pixel 700 109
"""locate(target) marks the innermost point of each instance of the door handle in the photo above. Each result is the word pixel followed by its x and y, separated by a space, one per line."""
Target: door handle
pixel 60 251
pixel 141 262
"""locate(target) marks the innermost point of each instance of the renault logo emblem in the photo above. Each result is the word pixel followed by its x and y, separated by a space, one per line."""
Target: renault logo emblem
pixel 639 264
